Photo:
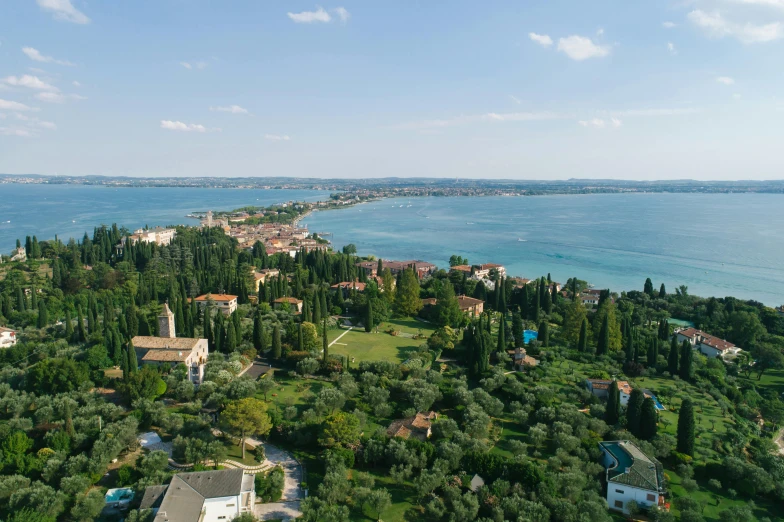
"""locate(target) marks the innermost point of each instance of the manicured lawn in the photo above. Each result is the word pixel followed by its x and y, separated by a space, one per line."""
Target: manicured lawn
pixel 403 501
pixel 771 379
pixel 363 346
pixel 717 501
pixel 235 453
pixel 292 391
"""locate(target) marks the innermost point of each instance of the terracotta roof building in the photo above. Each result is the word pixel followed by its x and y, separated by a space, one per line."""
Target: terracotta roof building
pixel 419 426
pixel 707 344
pixel 293 302
pixel 226 303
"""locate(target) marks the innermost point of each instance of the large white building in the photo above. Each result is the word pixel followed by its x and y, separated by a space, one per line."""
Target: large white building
pixel 226 303
pixel 707 344
pixel 170 350
pixel 202 496
pixel 631 475
pixel 159 236
pixel 7 337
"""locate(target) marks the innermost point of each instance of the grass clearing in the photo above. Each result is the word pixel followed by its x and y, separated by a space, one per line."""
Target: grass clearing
pixel 371 346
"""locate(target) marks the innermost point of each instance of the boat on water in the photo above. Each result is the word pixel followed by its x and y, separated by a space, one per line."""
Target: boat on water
pixel 521 240
pixel 469 223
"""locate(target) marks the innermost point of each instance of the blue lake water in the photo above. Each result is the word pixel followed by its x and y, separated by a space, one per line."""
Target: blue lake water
pixel 716 244
pixel 72 210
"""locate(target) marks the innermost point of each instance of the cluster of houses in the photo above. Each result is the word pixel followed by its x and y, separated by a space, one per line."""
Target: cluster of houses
pixel 601 389
pixel 277 238
pixel 421 268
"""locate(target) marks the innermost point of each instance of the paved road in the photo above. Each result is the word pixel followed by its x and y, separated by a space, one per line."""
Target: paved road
pixel 278 511
pixel 288 507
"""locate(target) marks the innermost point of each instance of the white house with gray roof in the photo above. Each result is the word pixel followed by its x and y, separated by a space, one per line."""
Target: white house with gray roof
pixel 202 496
pixel 631 475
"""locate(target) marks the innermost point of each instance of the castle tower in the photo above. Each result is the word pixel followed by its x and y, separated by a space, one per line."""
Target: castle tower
pixel 166 322
pixel 209 218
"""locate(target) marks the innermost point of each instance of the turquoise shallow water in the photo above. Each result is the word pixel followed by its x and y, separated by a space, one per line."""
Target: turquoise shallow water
pixel 716 244
pixel 70 210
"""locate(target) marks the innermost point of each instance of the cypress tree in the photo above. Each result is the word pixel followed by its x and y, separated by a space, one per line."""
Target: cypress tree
pixel 179 319
pixel 369 316
pixel 69 330
pixel 116 347
pixel 525 301
pixel 674 357
pixel 544 333
pixel 651 359
pixel 501 347
pixel 687 356
pixel 43 317
pixel 686 428
pixel 613 411
pixel 484 350
pixel 324 307
pixel 648 419
pixel 300 340
pixel 633 411
pixel 33 297
pixel 277 349
pixel 316 310
pixel 582 344
pixel 80 324
pixel 133 364
pixel 231 338
pixel 517 329
pixel 662 292
pixel 648 288
pixel 132 320
pixel 20 300
pixel 604 337
pixel 325 344
pixel 258 333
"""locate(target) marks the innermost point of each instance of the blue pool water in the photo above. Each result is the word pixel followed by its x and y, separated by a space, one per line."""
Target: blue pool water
pixel 119 495
pixel 529 335
pixel 659 405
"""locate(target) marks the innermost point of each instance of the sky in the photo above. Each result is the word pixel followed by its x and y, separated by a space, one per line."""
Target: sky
pixel 524 89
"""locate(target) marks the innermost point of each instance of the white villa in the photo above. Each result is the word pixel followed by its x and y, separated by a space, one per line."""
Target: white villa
pixel 7 337
pixel 226 303
pixel 707 344
pixel 170 350
pixel 202 496
pixel 631 475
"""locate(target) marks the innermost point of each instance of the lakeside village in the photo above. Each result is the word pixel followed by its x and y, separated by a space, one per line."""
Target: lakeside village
pixel 245 370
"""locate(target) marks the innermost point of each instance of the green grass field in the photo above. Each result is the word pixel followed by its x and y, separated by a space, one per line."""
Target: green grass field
pixel 363 346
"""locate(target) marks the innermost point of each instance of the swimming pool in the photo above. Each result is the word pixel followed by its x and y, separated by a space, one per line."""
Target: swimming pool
pixel 659 405
pixel 119 496
pixel 529 335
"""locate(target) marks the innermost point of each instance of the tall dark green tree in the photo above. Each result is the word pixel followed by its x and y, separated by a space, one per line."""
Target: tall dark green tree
pixel 662 292
pixel 133 364
pixel 82 334
pixel 369 316
pixel 501 346
pixel 582 343
pixel 69 329
pixel 686 428
pixel 258 333
pixel 603 345
pixel 544 333
pixel 277 348
pixel 43 315
pixel 613 411
pixel 324 343
pixel 673 359
pixel 649 418
pixel 648 288
pixel 300 340
pixel 687 357
pixel 517 329
pixel 20 300
pixel 634 411
pixel 653 352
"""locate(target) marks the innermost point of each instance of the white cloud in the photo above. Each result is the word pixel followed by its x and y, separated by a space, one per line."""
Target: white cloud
pixel 716 26
pixel 515 99
pixel 668 25
pixel 36 56
pixel 194 65
pixel 309 17
pixel 57 97
pixel 47 125
pixel 767 3
pixel 64 10
pixel 726 80
pixel 9 131
pixel 31 82
pixel 615 122
pixel 185 127
pixel 76 84
pixel 7 105
pixel 600 32
pixel 542 39
pixel 581 48
pixel 234 109
pixel 277 137
pixel 342 13
pixel 671 48
pixel 596 123
pixel 654 112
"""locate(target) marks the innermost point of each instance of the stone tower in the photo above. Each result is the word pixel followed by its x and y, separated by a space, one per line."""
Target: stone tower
pixel 166 322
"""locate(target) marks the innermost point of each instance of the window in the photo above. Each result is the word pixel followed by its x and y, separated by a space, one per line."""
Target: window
pixel 651 497
pixel 619 491
pixel 619 504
